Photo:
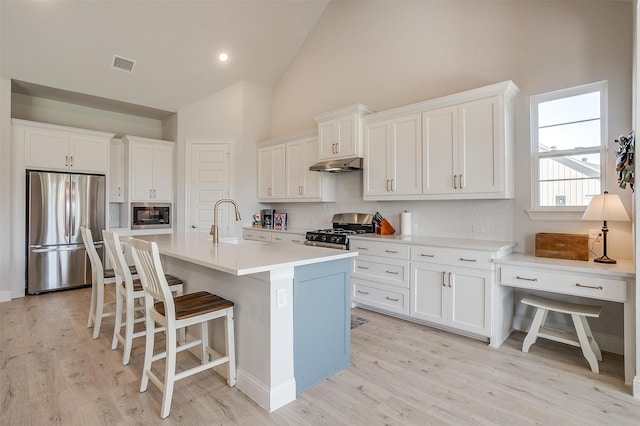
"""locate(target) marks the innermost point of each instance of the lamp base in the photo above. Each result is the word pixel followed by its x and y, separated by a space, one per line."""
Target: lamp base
pixel 605 259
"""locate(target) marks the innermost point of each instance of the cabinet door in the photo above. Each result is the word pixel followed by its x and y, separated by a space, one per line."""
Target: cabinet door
pixel 88 153
pixel 376 147
pixel 279 171
pixel 141 172
pixel 265 173
pixel 406 156
pixel 295 179
pixel 429 292
pixel 282 237
pixel 328 136
pixel 311 181
pixel 46 149
pixel 116 171
pixel 478 154
pixel 469 295
pixel 347 137
pixel 162 173
pixel 440 136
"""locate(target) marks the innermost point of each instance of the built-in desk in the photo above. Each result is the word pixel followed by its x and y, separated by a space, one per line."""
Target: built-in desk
pixel 615 283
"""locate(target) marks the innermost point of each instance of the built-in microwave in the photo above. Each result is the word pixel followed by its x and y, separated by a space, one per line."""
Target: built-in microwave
pixel 150 215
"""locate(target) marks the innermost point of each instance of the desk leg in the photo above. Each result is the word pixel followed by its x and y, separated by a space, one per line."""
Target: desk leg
pixel 502 314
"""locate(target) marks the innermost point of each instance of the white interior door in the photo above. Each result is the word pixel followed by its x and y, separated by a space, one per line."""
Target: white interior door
pixel 209 172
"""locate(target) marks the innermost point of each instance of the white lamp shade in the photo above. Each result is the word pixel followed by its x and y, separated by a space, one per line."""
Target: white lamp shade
pixel 606 207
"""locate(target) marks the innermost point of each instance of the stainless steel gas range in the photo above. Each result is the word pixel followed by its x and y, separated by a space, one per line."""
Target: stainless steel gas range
pixel 344 224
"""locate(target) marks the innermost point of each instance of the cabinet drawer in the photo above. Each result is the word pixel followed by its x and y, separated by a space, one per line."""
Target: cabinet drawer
pixel 286 238
pixel 380 296
pixel 375 248
pixel 257 236
pixel 455 257
pixel 393 272
pixel 574 284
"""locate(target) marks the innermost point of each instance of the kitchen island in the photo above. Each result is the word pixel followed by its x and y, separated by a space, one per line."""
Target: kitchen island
pixel 292 312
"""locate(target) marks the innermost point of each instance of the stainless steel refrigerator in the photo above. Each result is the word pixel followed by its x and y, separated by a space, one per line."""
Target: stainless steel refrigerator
pixel 58 204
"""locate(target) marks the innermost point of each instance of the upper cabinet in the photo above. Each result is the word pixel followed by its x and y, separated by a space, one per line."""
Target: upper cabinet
pixel 283 171
pixel 150 169
pixel 465 146
pixel 392 152
pixel 116 171
pixel 340 132
pixel 52 147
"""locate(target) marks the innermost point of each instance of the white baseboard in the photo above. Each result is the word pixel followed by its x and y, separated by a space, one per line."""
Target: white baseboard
pixel 5 296
pixel 268 399
pixel 606 342
pixel 635 387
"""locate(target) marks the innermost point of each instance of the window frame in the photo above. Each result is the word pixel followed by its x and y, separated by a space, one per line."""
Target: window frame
pixel 538 212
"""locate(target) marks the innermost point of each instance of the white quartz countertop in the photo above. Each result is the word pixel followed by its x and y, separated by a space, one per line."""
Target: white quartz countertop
pixel 425 240
pixel 624 268
pixel 241 257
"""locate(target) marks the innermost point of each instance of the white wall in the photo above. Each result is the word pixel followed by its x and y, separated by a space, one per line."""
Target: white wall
pixel 66 114
pixel 5 189
pixel 389 54
pixel 239 113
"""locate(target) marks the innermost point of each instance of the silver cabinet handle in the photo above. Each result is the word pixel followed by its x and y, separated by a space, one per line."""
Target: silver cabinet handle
pixel 595 287
pixel 518 277
pixel 277 238
pixel 391 251
pixel 392 299
pixel 262 236
pixel 362 248
pixel 363 292
pixel 452 279
pixel 455 186
pixel 71 163
pixel 295 241
pixel 427 255
pixel 392 186
pixel 468 260
pixel 443 274
pixel 460 179
pixel 363 267
pixel 337 147
pixel 393 272
pixel 387 185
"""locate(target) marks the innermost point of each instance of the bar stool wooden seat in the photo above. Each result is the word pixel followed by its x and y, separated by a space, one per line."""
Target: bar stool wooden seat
pixel 99 277
pixel 128 292
pixel 178 312
pixel 583 338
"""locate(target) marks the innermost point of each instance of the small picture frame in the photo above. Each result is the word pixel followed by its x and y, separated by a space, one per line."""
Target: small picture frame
pixel 280 221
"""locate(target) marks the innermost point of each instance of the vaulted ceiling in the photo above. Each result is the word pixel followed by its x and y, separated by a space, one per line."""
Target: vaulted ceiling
pixel 58 49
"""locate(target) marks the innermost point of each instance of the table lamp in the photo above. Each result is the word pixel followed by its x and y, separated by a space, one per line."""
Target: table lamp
pixel 605 207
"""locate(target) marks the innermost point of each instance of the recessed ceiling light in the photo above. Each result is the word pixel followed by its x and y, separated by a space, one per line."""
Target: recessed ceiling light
pixel 223 57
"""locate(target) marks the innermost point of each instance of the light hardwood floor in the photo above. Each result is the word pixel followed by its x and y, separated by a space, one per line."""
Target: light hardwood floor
pixel 52 372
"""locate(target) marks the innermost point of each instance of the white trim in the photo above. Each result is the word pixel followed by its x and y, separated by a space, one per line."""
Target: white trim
pixel 555 215
pixel 256 390
pixel 5 296
pixel 600 86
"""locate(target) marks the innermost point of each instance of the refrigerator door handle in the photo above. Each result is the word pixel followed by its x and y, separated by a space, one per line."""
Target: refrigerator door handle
pixel 67 207
pixel 72 212
pixel 52 249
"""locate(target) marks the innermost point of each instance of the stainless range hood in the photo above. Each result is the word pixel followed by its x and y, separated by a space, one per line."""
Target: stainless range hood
pixel 338 166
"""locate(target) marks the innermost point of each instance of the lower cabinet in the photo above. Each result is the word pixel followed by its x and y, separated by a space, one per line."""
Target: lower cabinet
pixel 442 286
pixel 273 236
pixel 456 297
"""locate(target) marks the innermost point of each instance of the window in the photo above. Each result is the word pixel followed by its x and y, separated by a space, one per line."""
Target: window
pixel 568 137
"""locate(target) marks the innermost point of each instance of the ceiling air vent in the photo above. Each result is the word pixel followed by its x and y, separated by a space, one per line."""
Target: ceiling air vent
pixel 123 64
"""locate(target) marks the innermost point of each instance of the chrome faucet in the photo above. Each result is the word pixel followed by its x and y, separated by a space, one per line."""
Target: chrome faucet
pixel 214 227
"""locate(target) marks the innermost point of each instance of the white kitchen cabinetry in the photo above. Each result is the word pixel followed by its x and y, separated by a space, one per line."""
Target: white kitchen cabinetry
pixel 257 235
pixel 150 168
pixel 283 171
pixel 463 150
pixel 393 156
pixel 466 148
pixel 116 171
pixel 272 236
pixel 340 132
pixel 455 293
pixel 281 237
pixel 380 275
pixel 52 147
pixel 271 172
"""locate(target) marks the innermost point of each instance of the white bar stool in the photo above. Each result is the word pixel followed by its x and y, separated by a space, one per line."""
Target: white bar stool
pixel 183 311
pixel 583 337
pixel 128 291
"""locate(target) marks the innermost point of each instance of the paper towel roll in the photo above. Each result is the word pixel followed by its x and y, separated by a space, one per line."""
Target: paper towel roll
pixel 405 223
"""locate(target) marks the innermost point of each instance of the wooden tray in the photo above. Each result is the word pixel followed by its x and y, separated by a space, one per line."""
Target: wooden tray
pixel 562 246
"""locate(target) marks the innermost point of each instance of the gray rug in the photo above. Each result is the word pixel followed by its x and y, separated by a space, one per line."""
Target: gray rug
pixel 357 321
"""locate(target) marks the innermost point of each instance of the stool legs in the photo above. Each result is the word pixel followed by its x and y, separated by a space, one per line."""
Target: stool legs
pixel 538 321
pixel 585 342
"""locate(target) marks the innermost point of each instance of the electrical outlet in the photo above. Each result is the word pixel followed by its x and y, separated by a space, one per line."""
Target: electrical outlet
pixel 594 233
pixel 281 296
